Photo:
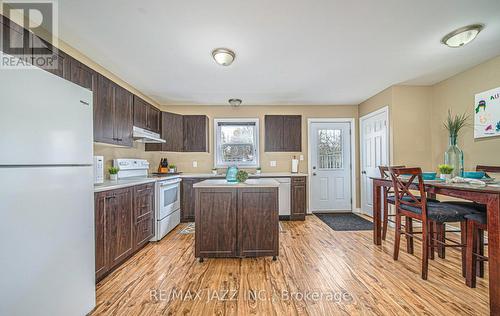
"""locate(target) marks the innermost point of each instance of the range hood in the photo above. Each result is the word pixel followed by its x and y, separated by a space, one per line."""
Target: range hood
pixel 142 135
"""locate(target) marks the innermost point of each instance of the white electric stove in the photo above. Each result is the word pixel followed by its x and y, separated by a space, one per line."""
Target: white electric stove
pixel 167 194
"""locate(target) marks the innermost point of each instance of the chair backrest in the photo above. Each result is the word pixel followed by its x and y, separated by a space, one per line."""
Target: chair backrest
pixel 384 170
pixel 402 188
pixel 486 169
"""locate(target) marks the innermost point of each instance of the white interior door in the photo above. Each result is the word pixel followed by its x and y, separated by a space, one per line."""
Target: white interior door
pixel 330 144
pixel 374 152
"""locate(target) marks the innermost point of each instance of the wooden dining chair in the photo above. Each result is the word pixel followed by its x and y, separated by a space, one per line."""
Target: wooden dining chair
pixel 429 213
pixel 384 173
pixel 480 208
pixel 476 225
pixel 388 198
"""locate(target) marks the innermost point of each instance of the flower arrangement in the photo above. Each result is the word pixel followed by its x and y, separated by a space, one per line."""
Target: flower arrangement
pixel 454 123
pixel 242 176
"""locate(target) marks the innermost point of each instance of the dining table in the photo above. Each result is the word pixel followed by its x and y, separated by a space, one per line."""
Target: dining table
pixel 488 195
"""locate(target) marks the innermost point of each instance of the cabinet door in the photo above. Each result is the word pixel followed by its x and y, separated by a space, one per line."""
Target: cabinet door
pixel 119 220
pixel 104 111
pixel 274 133
pixel 123 115
pixel 140 112
pixel 101 254
pixel 298 197
pixel 15 39
pixel 143 214
pixel 188 199
pixel 153 119
pixel 81 74
pixel 171 130
pixel 195 133
pixel 216 230
pixel 61 61
pixel 258 222
pixel 292 133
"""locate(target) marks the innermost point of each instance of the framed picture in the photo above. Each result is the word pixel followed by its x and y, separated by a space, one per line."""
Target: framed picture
pixel 487 113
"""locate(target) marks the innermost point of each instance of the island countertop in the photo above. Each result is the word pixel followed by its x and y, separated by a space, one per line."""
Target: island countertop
pixel 250 183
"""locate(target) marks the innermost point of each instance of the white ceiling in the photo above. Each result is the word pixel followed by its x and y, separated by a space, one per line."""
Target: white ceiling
pixel 287 51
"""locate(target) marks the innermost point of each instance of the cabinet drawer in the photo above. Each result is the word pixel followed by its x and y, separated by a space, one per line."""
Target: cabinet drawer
pixel 143 201
pixel 298 180
pixel 144 188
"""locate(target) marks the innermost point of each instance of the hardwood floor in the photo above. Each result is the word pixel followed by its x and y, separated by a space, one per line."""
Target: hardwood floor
pixel 350 275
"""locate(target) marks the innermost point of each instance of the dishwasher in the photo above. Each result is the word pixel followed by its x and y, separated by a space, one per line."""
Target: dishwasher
pixel 284 196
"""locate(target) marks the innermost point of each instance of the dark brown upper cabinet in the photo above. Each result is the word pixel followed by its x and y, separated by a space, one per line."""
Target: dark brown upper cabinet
pixel 113 114
pixel 146 116
pixel 171 126
pixel 60 61
pixel 283 133
pixel 82 75
pixel 195 133
pixel 15 38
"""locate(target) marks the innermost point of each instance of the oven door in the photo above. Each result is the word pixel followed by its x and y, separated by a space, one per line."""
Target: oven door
pixel 168 197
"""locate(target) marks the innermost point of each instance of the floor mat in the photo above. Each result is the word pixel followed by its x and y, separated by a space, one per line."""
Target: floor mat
pixel 345 221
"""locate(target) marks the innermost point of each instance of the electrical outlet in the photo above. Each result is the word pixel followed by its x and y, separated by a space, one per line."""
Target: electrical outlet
pixel 195 164
pixel 301 157
pixel 272 163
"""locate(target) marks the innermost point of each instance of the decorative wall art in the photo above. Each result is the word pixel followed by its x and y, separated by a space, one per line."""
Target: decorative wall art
pixel 487 113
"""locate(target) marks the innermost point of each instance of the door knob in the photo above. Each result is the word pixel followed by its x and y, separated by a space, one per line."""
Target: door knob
pixel 314 173
pixel 363 172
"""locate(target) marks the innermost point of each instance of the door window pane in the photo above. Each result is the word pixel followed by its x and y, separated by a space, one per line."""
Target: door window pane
pixel 330 149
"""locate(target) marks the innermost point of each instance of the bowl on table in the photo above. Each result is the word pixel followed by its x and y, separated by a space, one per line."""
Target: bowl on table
pixel 429 175
pixel 474 174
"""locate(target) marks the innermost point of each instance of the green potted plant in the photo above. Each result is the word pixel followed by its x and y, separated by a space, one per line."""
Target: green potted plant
pixel 258 170
pixel 172 168
pixel 454 156
pixel 242 176
pixel 445 171
pixel 113 173
pixel 214 171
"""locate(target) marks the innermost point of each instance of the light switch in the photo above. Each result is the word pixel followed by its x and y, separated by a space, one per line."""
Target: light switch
pixel 301 157
pixel 272 163
pixel 195 164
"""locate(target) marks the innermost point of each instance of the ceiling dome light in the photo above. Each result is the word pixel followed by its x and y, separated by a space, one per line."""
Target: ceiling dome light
pixel 223 56
pixel 235 102
pixel 462 36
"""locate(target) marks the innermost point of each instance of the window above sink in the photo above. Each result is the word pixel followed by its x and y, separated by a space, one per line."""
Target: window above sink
pixel 236 142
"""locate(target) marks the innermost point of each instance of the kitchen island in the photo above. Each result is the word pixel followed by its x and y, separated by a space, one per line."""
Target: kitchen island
pixel 236 219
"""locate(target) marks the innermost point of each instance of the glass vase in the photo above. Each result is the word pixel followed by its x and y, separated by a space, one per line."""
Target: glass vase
pixel 454 157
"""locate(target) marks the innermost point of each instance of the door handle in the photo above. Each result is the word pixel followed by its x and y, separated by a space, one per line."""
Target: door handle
pixel 314 173
pixel 363 172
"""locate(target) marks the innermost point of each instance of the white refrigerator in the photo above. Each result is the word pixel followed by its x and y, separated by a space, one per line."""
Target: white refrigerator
pixel 46 195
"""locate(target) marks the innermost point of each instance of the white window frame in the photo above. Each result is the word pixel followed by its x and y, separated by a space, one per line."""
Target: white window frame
pixel 217 162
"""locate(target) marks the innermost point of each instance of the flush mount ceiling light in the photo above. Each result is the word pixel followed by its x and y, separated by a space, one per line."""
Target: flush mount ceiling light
pixel 462 36
pixel 223 56
pixel 235 102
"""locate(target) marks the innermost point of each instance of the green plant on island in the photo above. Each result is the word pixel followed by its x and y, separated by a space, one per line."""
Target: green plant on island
pixel 242 176
pixel 445 169
pixel 171 166
pixel 113 170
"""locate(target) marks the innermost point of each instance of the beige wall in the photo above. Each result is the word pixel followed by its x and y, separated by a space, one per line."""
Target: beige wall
pixel 458 93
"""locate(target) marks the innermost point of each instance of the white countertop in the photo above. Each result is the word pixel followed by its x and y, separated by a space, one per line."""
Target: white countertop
pixel 250 183
pixel 251 175
pixel 129 182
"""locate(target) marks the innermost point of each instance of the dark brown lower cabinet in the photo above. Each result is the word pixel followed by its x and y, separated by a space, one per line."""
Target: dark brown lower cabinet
pixel 236 222
pixel 124 220
pixel 188 198
pixel 298 196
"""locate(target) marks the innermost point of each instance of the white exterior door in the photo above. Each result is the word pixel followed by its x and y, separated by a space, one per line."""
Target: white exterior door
pixel 331 166
pixel 374 153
